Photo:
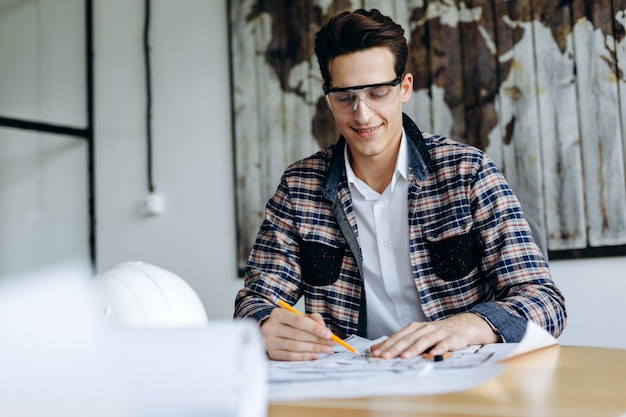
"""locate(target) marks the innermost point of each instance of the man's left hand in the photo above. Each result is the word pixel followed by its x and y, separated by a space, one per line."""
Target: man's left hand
pixel 438 337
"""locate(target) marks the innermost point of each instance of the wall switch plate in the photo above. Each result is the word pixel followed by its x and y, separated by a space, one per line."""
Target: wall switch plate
pixel 153 205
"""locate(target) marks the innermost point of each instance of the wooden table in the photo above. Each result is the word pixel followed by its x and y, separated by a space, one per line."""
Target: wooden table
pixel 556 381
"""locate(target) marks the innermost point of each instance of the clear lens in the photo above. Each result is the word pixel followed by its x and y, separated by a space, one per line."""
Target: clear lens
pixel 375 97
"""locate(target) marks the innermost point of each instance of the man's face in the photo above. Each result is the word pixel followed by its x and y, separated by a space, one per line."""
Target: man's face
pixel 372 127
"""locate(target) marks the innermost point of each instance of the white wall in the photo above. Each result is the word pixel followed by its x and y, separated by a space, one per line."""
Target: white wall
pixel 193 164
pixel 193 167
pixel 595 297
pixel 43 177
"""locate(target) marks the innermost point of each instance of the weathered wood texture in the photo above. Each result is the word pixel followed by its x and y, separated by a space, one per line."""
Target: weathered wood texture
pixel 537 84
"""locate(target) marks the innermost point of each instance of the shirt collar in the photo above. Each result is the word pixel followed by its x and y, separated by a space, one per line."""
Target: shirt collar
pixel 420 162
pixel 401 170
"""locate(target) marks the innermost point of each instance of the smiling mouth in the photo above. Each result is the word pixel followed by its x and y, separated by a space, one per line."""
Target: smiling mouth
pixel 368 130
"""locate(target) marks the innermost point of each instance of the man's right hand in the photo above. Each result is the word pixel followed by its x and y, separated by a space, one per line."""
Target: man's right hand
pixel 293 337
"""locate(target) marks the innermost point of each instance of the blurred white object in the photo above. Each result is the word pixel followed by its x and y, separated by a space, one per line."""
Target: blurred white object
pixel 219 370
pixel 58 357
pixel 51 357
pixel 139 294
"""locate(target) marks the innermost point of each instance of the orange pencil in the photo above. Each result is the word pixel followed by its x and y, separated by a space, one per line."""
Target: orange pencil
pixel 335 338
pixel 436 358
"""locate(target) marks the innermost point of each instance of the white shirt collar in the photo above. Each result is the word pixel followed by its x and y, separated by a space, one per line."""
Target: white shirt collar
pixel 401 170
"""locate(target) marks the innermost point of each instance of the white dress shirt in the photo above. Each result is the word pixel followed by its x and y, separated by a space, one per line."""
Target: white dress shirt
pixel 382 221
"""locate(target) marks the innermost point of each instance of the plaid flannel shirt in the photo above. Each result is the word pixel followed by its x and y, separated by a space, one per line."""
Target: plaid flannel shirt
pixel 471 249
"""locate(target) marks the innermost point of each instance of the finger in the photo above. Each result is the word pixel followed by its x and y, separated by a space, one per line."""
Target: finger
pixel 286 355
pixel 317 317
pixel 388 347
pixel 302 349
pixel 287 336
pixel 435 342
pixel 411 341
pixel 441 347
pixel 303 323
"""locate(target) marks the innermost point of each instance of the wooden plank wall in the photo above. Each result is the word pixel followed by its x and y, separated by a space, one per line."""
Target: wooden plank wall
pixel 537 84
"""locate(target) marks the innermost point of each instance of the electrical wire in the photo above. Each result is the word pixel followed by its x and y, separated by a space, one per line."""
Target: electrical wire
pixel 146 50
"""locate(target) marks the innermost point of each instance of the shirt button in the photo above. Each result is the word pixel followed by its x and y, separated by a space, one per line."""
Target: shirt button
pixel 404 316
pixel 386 243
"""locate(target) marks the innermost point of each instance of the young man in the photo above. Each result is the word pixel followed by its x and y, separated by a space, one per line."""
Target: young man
pixel 391 232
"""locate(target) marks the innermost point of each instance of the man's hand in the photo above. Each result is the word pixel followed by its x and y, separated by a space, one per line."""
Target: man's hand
pixel 439 337
pixel 292 337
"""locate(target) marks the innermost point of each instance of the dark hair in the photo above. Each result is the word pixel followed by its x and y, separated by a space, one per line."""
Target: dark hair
pixel 349 32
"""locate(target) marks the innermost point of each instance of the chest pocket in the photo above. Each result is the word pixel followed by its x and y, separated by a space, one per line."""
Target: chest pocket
pixel 454 252
pixel 320 262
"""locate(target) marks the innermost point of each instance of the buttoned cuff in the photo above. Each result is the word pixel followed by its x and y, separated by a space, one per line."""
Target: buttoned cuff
pixel 261 315
pixel 510 328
